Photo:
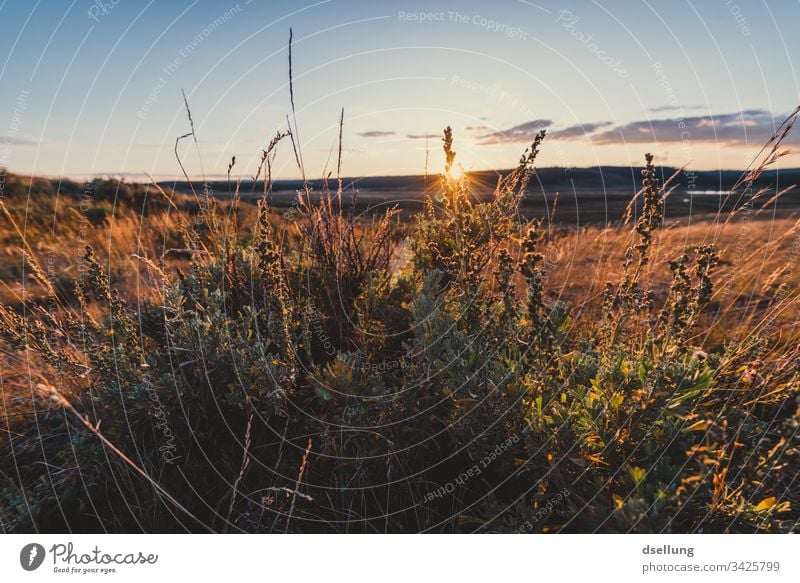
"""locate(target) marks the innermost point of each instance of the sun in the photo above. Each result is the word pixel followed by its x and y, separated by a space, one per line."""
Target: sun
pixel 456 172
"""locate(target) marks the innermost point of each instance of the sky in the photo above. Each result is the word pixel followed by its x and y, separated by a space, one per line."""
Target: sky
pixel 94 88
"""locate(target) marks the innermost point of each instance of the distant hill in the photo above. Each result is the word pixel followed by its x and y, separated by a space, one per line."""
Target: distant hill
pixel 598 179
pixel 585 195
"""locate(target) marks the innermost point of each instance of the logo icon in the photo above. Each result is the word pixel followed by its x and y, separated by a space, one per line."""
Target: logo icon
pixel 31 556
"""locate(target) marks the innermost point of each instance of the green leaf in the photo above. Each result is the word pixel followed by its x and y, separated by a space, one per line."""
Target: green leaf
pixel 324 394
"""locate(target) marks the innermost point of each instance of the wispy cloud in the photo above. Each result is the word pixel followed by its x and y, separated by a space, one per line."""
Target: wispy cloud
pixel 377 134
pixel 577 132
pixel 745 128
pixel 24 140
pixel 664 108
pixel 524 132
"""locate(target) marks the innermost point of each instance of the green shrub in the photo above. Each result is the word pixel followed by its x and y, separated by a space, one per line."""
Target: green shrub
pixel 293 379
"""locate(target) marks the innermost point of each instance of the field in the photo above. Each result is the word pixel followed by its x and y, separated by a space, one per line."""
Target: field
pixel 177 362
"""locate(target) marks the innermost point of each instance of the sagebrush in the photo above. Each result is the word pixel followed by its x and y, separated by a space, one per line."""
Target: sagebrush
pixel 259 370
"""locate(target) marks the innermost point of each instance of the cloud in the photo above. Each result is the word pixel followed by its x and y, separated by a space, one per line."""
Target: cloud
pixel 422 136
pixel 746 128
pixel 377 134
pixel 751 127
pixel 664 108
pixel 24 140
pixel 524 132
pixel 577 132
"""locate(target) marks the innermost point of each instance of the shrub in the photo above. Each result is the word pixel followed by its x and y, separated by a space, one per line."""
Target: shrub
pixel 295 379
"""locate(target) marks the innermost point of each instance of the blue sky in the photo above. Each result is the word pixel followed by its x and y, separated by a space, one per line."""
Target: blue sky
pixel 94 88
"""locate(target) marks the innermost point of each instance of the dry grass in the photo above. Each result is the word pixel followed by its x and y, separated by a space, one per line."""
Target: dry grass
pixel 756 259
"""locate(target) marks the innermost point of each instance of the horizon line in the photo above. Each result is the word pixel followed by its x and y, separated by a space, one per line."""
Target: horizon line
pixel 222 177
